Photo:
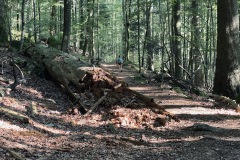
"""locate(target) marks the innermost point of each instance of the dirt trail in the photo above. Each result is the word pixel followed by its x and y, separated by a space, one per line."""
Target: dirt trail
pixel 165 95
pixel 189 139
pixel 207 129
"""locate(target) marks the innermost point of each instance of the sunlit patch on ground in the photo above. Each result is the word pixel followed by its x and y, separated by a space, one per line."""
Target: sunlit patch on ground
pixel 8 125
pixel 202 111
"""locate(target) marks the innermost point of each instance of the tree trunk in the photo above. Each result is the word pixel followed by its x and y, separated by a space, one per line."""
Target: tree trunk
pixel 126 20
pixel 197 57
pixel 53 28
pixel 34 21
pixel 138 21
pixel 28 18
pixel 81 21
pixel 227 75
pixel 207 48
pixel 18 17
pixel 66 25
pixel 90 29
pixel 63 67
pixel 148 38
pixel 69 70
pixel 39 19
pixel 3 20
pixel 176 39
pixel 23 24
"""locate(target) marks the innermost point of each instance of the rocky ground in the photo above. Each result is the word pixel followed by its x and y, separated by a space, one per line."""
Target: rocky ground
pixel 208 129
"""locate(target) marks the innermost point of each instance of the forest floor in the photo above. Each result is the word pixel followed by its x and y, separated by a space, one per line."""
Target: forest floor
pixel 207 129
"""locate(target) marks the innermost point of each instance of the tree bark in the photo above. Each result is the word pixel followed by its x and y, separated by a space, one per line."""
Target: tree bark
pixel 63 67
pixel 148 37
pixel 227 75
pixel 3 20
pixel 138 42
pixel 197 57
pixel 66 25
pixel 23 24
pixel 126 4
pixel 176 39
pixel 53 28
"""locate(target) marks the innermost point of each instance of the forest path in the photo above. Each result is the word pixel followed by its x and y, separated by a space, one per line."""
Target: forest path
pixel 163 94
pixel 207 129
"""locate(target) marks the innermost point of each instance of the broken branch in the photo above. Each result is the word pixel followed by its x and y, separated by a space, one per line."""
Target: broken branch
pixel 97 103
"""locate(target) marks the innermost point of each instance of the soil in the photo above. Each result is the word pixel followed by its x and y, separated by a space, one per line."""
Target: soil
pixel 208 129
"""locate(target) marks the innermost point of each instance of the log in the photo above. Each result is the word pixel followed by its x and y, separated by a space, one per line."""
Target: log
pixel 63 67
pixel 70 70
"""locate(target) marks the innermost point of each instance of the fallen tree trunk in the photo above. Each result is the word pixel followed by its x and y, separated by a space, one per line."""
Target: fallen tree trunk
pixel 79 77
pixel 63 67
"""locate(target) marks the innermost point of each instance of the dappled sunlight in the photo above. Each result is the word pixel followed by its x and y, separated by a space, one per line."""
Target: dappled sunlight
pixel 8 125
pixel 12 103
pixel 95 120
pixel 116 130
pixel 202 111
pixel 120 77
pixel 140 88
pixel 31 92
pixel 110 65
pixel 49 128
pixel 180 103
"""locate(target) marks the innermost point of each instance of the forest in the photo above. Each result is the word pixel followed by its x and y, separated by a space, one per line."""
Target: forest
pixel 63 95
pixel 178 37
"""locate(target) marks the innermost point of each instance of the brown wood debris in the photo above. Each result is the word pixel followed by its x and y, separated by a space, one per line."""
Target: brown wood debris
pixel 108 91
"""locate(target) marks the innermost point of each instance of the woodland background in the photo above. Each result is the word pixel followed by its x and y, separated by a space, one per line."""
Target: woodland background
pixel 197 41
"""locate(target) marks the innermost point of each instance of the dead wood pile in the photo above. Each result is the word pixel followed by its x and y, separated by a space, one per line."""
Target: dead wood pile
pixel 91 88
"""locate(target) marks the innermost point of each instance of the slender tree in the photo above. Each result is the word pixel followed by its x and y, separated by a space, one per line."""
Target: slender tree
pixel 138 22
pixel 18 17
pixel 39 19
pixel 34 21
pixel 195 46
pixel 89 29
pixel 227 75
pixel 176 39
pixel 3 20
pixel 148 36
pixel 81 21
pixel 66 25
pixel 126 4
pixel 23 24
pixel 53 26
